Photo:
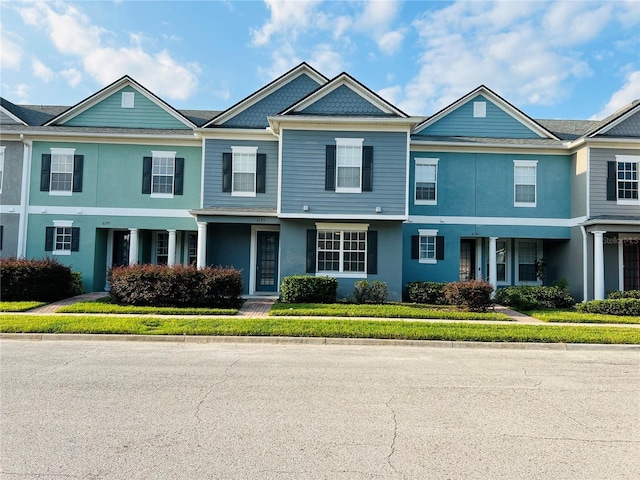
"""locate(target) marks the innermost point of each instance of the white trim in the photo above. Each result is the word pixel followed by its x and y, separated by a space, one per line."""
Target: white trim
pixel 476 147
pixel 480 109
pixel 172 140
pixel 202 165
pixel 353 124
pixel 115 212
pixel 511 221
pixel 427 232
pixel 432 234
pixel 2 150
pixel 352 227
pixel 24 199
pixel 63 223
pixel 161 195
pixel 279 190
pixel 342 216
pixel 265 135
pixel 253 258
pixel 10 209
pixel 507 261
pixel 243 150
pixel 349 142
pixel 331 273
pixel 158 154
pixel 628 159
pixel 516 270
pixel 429 162
pixel 620 264
pixel 407 175
pixel 588 193
pixel 526 164
pixel 605 128
pixel 13 117
pixel 128 100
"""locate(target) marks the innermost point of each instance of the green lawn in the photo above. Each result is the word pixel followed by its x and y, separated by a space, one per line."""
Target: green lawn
pixel 106 305
pixel 337 328
pixel 571 316
pixel 19 306
pixel 379 311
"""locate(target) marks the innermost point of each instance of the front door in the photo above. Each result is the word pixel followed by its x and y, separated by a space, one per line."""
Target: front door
pixel 631 268
pixel 467 260
pixel 267 261
pixel 120 248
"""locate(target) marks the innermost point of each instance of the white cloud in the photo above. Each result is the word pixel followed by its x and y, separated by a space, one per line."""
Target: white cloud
pixel 10 53
pixel 290 17
pixel 41 71
pixel 390 42
pixel 629 92
pixel 391 94
pixel 19 93
pixel 326 60
pixel 73 76
pixel 73 33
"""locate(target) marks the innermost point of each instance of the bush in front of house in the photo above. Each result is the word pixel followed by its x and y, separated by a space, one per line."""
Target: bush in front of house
pixel 45 280
pixel 176 286
pixel 627 294
pixel 525 297
pixel 617 306
pixel 365 291
pixel 308 289
pixel 472 295
pixel 431 293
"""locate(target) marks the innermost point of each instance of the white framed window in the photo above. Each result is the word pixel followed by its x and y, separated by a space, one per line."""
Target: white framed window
pixel 502 261
pixel 524 182
pixel 427 246
pixel 62 236
pixel 128 100
pixel 426 181
pixel 162 248
pixel 349 165
pixel 528 252
pixel 163 169
pixel 342 250
pixel 243 179
pixel 479 109
pixel 628 179
pixel 2 148
pixel 61 176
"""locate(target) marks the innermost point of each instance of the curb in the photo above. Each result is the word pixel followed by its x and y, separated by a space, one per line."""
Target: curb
pixel 206 339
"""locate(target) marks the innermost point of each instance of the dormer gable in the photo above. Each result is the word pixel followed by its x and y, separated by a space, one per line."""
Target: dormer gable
pixel 623 123
pixel 344 95
pixel 125 104
pixel 252 111
pixel 482 113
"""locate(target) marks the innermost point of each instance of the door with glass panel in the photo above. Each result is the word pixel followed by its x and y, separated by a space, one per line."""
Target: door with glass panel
pixel 267 261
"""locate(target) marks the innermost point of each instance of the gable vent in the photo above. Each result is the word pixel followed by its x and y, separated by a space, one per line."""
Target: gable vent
pixel 128 99
pixel 479 109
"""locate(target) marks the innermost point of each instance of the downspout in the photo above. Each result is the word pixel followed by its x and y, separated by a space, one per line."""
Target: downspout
pixel 584 264
pixel 24 197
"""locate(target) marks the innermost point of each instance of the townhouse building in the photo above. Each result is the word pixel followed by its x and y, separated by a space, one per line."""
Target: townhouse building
pixel 311 175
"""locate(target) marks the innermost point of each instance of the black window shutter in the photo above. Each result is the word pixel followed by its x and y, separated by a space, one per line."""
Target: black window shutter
pixel 439 247
pixel 45 173
pixel 75 239
pixel 78 164
pixel 48 239
pixel 330 168
pixel 261 173
pixel 1 235
pixel 178 180
pixel 372 252
pixel 227 159
pixel 415 247
pixel 311 251
pixel 612 181
pixel 146 174
pixel 367 169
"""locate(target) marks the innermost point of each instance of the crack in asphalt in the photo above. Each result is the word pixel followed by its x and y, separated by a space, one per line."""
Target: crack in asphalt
pixel 224 379
pixel 393 440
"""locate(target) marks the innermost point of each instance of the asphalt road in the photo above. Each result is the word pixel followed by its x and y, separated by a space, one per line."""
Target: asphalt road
pixel 118 410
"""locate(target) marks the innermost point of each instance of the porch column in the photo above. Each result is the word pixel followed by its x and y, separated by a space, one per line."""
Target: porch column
pixel 493 266
pixel 172 248
pixel 598 265
pixel 202 245
pixel 133 246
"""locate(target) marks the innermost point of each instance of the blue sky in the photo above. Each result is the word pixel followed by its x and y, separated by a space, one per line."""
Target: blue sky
pixel 569 59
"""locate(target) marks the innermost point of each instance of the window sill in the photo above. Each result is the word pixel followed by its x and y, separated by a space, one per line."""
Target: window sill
pixel 628 202
pixel 61 252
pixel 428 260
pixel 243 194
pixel 525 205
pixel 162 195
pixel 426 202
pixel 342 274
pixel 348 190
pixel 60 193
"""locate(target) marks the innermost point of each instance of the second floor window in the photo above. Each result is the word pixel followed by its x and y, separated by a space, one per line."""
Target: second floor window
pixel 628 179
pixel 426 181
pixel 524 182
pixel 61 172
pixel 162 174
pixel 348 164
pixel 244 171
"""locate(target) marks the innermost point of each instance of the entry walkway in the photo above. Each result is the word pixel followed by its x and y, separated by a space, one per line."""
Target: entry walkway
pixel 257 306
pixel 52 307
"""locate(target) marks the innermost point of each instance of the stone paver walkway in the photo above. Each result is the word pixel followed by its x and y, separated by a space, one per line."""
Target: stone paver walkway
pixel 257 307
pixel 52 307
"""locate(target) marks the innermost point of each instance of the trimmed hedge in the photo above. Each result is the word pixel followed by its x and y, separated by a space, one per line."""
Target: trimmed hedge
pixel 431 293
pixel 473 295
pixel 45 280
pixel 627 294
pixel 365 291
pixel 308 289
pixel 176 286
pixel 618 306
pixel 534 297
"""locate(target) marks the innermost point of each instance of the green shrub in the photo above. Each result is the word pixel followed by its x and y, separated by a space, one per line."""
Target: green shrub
pixel 308 289
pixel 534 297
pixel 365 291
pixel 473 295
pixel 619 306
pixel 431 293
pixel 627 294
pixel 176 286
pixel 44 280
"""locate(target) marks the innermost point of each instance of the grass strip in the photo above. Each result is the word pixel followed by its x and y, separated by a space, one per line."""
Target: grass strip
pixel 560 316
pixel 19 306
pixel 379 311
pixel 335 328
pixel 105 305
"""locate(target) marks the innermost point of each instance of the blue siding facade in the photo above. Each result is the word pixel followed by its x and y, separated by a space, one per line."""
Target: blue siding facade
pixel 496 124
pixel 303 174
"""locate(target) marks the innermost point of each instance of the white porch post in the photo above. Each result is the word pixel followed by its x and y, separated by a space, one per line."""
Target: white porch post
pixel 493 266
pixel 172 248
pixel 202 245
pixel 133 246
pixel 598 265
